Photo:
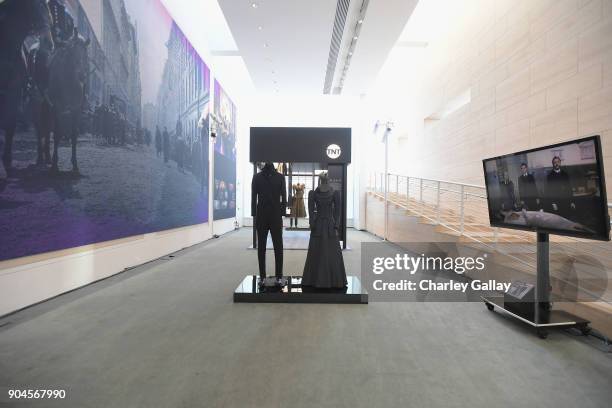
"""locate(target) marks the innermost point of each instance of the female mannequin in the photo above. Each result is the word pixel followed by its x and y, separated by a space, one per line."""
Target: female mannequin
pixel 324 266
pixel 298 210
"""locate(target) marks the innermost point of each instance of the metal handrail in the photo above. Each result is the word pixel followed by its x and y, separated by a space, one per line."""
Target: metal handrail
pixel 454 183
pixel 438 181
pixel 420 186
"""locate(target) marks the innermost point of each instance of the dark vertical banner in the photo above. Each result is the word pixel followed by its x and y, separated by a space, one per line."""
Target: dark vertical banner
pixel 104 116
pixel 224 202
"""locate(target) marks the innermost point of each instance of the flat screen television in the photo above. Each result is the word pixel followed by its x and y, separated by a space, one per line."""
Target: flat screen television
pixel 557 189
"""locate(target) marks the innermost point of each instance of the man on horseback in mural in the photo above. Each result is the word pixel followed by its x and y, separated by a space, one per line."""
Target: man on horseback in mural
pixel 39 56
pixel 61 79
pixel 57 73
pixel 18 20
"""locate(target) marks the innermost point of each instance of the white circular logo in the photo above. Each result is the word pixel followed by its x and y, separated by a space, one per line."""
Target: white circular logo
pixel 333 151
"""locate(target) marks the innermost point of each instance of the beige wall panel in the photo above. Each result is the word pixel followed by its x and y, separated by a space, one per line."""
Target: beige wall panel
pixel 607 69
pixel 595 43
pixel 513 137
pixel 547 18
pixel 587 16
pixel 555 66
pixel 515 39
pixel 555 124
pixel 595 112
pixel 533 105
pixel 581 84
pixel 513 90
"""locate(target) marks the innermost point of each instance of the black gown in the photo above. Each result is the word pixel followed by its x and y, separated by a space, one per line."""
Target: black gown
pixel 324 264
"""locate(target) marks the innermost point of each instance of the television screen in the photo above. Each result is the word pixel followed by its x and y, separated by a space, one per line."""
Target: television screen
pixel 558 189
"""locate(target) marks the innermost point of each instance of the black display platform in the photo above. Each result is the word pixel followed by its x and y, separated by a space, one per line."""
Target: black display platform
pixel 547 319
pixel 249 291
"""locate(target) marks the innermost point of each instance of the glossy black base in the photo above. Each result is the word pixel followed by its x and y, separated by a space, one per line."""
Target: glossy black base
pixel 250 291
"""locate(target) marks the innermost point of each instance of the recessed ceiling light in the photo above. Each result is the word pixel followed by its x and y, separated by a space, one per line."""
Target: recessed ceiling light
pixel 254 5
pixel 259 28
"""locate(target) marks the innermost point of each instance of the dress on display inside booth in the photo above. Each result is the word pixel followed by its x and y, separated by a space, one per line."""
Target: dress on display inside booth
pixel 268 205
pixel 298 209
pixel 324 266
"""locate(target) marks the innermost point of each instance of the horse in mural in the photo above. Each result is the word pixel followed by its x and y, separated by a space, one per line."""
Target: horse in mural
pixel 18 20
pixel 61 80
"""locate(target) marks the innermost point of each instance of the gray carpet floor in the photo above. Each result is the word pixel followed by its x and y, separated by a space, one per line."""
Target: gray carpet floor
pixel 291 240
pixel 167 334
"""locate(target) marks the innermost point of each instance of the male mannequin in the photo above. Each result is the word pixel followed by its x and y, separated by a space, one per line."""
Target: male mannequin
pixel 268 205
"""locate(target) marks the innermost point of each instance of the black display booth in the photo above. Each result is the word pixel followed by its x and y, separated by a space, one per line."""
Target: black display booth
pixel 329 147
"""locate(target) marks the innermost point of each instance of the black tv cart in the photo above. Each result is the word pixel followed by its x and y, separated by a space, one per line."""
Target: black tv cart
pixel 543 317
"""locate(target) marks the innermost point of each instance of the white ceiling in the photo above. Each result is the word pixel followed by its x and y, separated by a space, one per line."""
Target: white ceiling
pixel 204 20
pixel 285 43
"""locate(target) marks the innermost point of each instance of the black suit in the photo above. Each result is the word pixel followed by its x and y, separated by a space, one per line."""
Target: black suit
pixel 559 191
pixel 528 192
pixel 268 205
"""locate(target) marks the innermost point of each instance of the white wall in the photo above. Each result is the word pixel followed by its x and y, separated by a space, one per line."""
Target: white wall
pixel 540 72
pixel 28 280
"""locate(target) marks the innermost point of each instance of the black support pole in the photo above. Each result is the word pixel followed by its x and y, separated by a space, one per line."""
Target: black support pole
pixel 542 301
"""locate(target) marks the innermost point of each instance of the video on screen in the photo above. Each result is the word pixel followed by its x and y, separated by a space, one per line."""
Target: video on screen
pixel 557 189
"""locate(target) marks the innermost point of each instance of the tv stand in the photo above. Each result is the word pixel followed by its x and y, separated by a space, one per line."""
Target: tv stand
pixel 543 317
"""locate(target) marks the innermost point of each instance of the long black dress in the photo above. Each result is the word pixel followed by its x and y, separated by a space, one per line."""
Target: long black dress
pixel 324 264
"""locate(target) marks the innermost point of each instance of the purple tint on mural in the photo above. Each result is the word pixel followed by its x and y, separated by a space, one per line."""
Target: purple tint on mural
pixel 224 193
pixel 225 110
pixel 140 157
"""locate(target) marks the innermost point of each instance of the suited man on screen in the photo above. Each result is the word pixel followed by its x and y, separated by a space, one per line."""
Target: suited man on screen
pixel 559 190
pixel 506 189
pixel 527 189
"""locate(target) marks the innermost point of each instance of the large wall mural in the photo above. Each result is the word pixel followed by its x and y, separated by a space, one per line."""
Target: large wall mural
pixel 224 203
pixel 103 124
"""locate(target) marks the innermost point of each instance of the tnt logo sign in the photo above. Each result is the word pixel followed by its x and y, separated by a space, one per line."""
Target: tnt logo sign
pixel 333 151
